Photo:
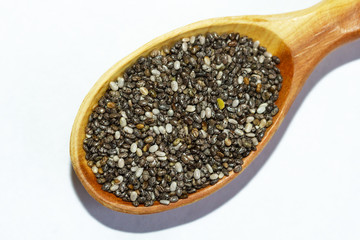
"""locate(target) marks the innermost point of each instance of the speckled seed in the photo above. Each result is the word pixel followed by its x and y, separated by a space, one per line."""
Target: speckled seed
pixel 121 163
pixel 190 108
pixel 240 79
pixel 209 168
pixel 178 167
pixel 207 60
pixel 149 139
pixel 227 142
pixel 214 176
pixel 111 105
pixel 194 133
pixel 237 168
pixel 144 91
pixel 221 175
pixel 133 147
pixel 197 174
pixel 122 122
pixel 177 141
pixel 170 113
pixel 153 148
pixel 128 130
pixel 169 128
pixel 203 134
pixel 114 86
pixel 174 199
pixel 173 186
pixel 174 86
pixel 133 196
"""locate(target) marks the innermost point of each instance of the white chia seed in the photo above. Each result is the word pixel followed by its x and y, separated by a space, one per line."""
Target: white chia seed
pixel 197 174
pixel 123 122
pixel 133 147
pixel 121 163
pixel 169 128
pixel 121 82
pixel 178 167
pixel 153 148
pixel 190 108
pixel 114 86
pixel 128 130
pixel 174 86
pixel 176 65
pixel 133 196
pixel 173 186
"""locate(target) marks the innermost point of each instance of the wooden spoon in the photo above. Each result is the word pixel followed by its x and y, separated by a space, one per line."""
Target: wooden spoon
pixel 300 39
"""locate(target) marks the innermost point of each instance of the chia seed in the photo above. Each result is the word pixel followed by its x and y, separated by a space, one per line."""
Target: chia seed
pixel 182 118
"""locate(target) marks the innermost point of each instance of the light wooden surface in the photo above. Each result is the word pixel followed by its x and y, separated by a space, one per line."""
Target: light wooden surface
pixel 301 39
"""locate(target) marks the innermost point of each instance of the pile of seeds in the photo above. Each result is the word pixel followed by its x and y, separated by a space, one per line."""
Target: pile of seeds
pixel 182 118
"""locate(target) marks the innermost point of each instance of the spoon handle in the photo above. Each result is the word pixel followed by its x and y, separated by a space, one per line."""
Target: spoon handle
pixel 314 32
pixel 321 28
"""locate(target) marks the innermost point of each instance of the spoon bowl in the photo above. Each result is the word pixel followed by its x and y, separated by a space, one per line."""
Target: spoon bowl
pixel 300 39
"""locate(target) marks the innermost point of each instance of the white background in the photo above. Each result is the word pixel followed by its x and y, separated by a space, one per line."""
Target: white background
pixel 304 185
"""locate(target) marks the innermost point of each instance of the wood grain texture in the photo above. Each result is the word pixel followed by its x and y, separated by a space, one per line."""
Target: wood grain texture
pixel 300 39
